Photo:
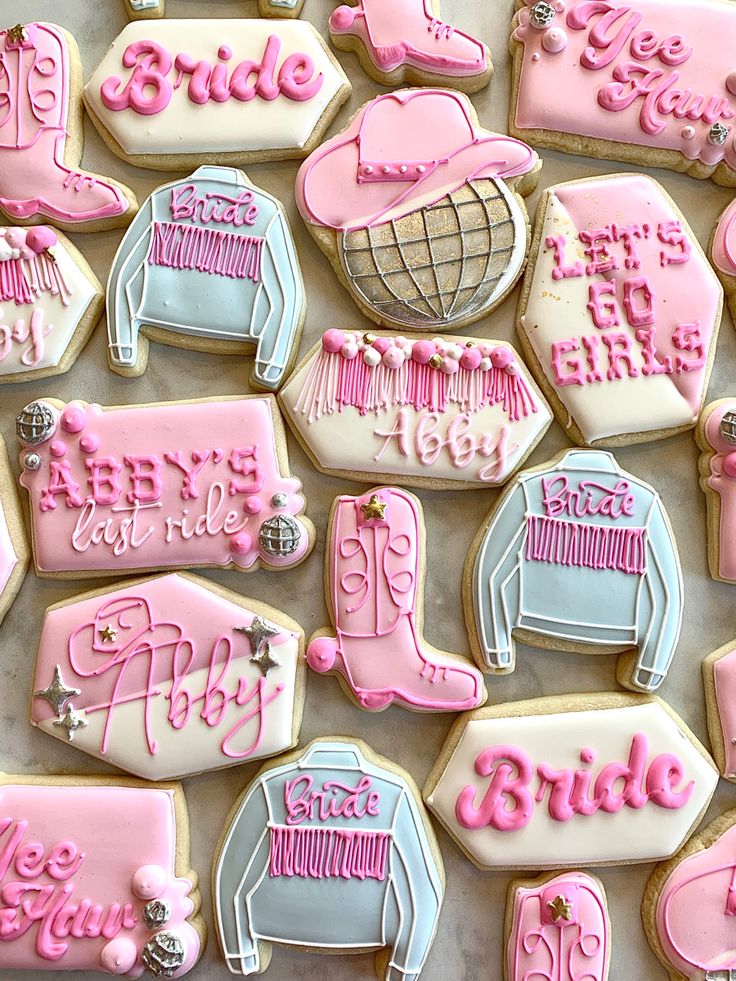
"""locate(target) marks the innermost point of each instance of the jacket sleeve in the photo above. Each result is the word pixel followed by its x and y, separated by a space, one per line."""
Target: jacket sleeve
pixel 242 860
pixel 496 582
pixel 660 611
pixel 125 289
pixel 418 892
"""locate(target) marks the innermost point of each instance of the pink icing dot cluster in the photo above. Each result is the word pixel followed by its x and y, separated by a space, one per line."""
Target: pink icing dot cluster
pixel 25 243
pixel 393 352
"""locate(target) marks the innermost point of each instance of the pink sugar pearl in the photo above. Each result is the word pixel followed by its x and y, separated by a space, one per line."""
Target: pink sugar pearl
pixel 470 358
pixel 422 351
pixel 381 344
pixel 450 366
pixel 333 340
pixel 501 357
pixel 393 358
pixel 40 238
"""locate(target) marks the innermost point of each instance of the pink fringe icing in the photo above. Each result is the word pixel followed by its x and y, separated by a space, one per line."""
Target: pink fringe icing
pixel 207 250
pixel 323 853
pixel 24 280
pixel 334 382
pixel 591 546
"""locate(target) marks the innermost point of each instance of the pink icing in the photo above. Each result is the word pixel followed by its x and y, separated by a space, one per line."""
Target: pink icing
pixel 207 250
pixel 724 678
pixel 34 112
pixel 631 74
pixel 724 241
pixel 544 946
pixel 696 912
pixel 67 858
pixel 8 555
pixel 332 800
pixel 133 505
pixel 324 853
pixel 722 480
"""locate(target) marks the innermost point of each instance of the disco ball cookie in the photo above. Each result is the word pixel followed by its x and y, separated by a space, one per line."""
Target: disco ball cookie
pixel 406 41
pixel 716 437
pixel 723 253
pixel 418 209
pixel 619 312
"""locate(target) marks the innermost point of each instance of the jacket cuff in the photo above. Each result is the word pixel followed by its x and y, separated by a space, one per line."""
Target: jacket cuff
pixel 394 973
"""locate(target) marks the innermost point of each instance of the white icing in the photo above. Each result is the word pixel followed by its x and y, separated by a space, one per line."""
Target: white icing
pixel 8 556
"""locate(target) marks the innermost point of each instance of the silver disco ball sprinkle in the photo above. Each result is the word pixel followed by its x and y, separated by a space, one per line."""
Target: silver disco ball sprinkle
pixel 728 427
pixel 718 134
pixel 32 461
pixel 163 955
pixel 542 14
pixel 279 536
pixel 35 423
pixel 156 914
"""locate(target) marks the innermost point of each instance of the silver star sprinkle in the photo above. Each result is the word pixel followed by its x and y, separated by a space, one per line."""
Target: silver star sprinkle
pixel 57 694
pixel 265 660
pixel 70 722
pixel 258 633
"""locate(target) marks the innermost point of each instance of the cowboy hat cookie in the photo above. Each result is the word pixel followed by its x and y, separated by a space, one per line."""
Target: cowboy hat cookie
pixel 648 83
pixel 329 849
pixel 719 679
pixel 374 578
pixel 14 551
pixel 167 485
pixel 425 226
pixel 723 253
pixel 50 300
pixel 41 136
pixel 170 676
pixel 95 875
pixel 406 42
pixel 688 906
pixel 208 264
pixel 557 926
pixel 175 94
pixel 576 555
pixel 716 437
pixel 619 311
pixel 570 780
pixel 442 412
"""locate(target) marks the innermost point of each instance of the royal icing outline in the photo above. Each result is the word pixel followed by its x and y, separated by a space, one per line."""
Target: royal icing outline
pixel 41 136
pixel 619 311
pixel 15 553
pixel 716 439
pixel 90 489
pixel 211 245
pixel 386 233
pixel 169 676
pixel 625 82
pixel 142 910
pixel 519 785
pixel 164 77
pixel 557 926
pixel 719 669
pixel 443 412
pixel 529 561
pixel 139 9
pixel 283 832
pixel 723 253
pixel 407 42
pixel 374 589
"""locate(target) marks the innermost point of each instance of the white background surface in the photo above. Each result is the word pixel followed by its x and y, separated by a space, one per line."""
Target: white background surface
pixel 469 941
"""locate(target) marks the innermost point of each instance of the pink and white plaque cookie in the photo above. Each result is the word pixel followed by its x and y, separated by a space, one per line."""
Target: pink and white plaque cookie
pixel 406 41
pixel 41 136
pixel 95 876
pixel 557 929
pixel 169 676
pixel 716 437
pixel 689 906
pixel 648 82
pixel 374 579
pixel 723 253
pixel 14 551
pixel 441 412
pixel 164 486
pixel 619 311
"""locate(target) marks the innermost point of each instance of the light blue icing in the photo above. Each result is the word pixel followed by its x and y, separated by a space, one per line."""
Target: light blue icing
pixel 208 304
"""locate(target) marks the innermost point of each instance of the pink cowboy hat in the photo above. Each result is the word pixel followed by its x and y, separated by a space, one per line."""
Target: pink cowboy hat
pixel 403 151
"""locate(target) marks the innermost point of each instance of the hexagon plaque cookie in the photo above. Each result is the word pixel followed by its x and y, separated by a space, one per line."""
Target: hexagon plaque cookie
pixel 619 311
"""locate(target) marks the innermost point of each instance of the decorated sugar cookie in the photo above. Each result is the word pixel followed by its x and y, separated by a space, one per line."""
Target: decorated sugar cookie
pixel 723 253
pixel 571 780
pixel 619 311
pixel 405 41
pixel 716 437
pixel 650 82
pixel 688 907
pixel 144 9
pixel 95 876
pixel 14 551
pixel 557 927
pixel 209 264
pixel 165 486
pixel 50 300
pixel 374 578
pixel 138 9
pixel 577 555
pixel 329 849
pixel 41 136
pixel 429 230
pixel 174 94
pixel 719 682
pixel 443 412
pixel 169 676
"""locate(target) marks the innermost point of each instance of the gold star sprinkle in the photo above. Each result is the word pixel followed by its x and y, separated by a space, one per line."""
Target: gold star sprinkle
pixel 109 634
pixel 560 908
pixel 17 34
pixel 375 509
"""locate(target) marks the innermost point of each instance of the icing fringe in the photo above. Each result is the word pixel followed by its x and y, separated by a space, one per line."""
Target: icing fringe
pixel 334 382
pixel 24 280
pixel 590 546
pixel 323 853
pixel 206 250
